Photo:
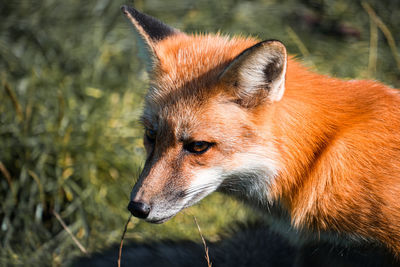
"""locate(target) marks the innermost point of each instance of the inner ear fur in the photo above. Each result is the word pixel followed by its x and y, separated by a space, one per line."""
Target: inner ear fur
pixel 257 74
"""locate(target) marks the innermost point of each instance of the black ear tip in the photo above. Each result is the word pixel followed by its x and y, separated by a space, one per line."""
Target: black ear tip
pixel 148 26
pixel 126 9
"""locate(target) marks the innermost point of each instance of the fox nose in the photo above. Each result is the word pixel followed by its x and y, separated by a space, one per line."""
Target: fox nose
pixel 139 209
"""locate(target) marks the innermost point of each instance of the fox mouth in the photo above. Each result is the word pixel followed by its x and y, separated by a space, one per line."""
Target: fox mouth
pixel 161 217
pixel 160 221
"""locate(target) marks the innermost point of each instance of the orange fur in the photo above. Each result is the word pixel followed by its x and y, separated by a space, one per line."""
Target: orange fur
pixel 342 164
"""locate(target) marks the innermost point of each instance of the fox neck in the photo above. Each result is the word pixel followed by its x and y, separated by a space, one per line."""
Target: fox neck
pixel 305 126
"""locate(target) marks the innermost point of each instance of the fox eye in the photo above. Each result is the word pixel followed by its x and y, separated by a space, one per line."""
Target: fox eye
pixel 198 147
pixel 151 135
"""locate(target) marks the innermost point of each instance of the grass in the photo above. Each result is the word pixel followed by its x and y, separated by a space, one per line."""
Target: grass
pixel 71 92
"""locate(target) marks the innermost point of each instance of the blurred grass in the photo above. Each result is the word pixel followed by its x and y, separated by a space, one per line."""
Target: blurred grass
pixel 71 92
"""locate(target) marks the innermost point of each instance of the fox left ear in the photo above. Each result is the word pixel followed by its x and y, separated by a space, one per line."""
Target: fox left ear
pixel 258 74
pixel 150 29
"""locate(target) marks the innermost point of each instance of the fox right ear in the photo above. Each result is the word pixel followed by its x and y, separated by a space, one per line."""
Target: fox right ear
pixel 257 74
pixel 150 29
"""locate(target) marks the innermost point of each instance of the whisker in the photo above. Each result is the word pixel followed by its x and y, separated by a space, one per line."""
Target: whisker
pixel 198 188
pixel 193 191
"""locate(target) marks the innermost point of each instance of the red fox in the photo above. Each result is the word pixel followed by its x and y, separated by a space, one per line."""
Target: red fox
pixel 317 155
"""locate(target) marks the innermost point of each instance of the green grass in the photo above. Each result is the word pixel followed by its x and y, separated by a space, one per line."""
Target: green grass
pixel 71 93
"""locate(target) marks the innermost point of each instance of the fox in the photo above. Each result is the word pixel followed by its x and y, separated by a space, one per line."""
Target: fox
pixel 318 156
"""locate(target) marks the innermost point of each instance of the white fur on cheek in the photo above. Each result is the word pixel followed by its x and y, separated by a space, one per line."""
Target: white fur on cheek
pixel 256 160
pixel 204 182
pixel 251 176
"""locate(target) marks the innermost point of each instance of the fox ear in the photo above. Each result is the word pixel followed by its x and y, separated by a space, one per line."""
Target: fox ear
pixel 150 29
pixel 257 74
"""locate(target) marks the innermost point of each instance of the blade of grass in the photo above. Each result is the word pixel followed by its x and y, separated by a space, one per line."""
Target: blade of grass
pixel 122 241
pixel 6 174
pixel 373 48
pixel 14 101
pixel 40 186
pixel 209 263
pixel 296 39
pixel 58 217
pixel 385 30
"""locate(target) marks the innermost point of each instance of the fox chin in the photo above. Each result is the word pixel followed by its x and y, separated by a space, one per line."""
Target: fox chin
pixel 238 115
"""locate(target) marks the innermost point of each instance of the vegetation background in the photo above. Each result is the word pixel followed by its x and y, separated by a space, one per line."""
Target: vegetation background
pixel 71 92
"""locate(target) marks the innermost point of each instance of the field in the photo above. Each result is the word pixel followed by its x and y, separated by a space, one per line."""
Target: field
pixel 72 88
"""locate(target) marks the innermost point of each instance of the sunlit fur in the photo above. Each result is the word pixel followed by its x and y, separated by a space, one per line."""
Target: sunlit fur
pixel 325 159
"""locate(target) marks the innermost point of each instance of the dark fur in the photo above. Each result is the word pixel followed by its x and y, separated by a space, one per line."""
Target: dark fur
pixel 155 29
pixel 249 245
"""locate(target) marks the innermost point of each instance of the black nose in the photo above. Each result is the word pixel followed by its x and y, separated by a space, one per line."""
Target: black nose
pixel 139 209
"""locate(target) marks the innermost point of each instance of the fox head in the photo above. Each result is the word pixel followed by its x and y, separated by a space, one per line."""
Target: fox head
pixel 206 117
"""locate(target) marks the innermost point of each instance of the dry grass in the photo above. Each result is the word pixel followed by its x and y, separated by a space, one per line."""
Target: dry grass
pixel 66 228
pixel 209 264
pixel 122 241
